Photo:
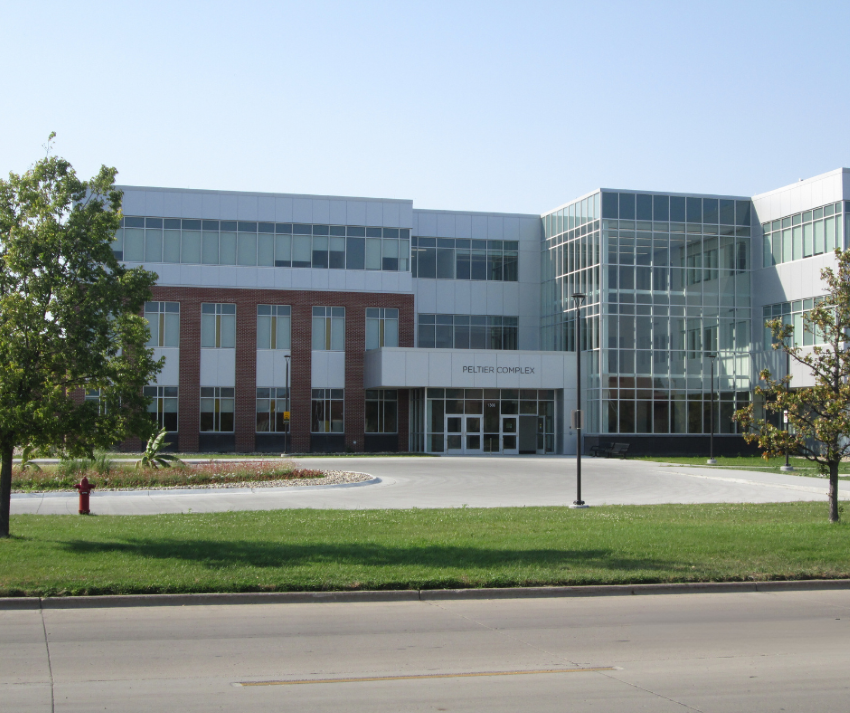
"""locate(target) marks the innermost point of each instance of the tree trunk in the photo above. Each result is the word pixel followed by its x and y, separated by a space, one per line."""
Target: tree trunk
pixel 833 492
pixel 6 453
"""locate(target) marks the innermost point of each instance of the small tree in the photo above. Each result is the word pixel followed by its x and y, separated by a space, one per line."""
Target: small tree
pixel 818 417
pixel 69 318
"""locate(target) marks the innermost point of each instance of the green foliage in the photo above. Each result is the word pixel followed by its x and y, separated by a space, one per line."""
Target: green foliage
pixel 126 477
pixel 70 469
pixel 154 456
pixel 69 318
pixel 27 462
pixel 317 550
pixel 818 416
pixel 102 463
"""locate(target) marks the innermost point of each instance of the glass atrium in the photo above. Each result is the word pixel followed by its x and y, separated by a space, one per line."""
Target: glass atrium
pixel 667 279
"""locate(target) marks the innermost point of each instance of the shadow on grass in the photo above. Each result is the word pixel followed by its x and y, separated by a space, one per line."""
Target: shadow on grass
pixel 219 555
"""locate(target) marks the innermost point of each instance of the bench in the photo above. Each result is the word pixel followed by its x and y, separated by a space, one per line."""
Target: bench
pixel 601 449
pixel 610 450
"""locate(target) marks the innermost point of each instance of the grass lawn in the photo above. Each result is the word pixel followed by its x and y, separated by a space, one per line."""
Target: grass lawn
pixel 290 550
pixel 772 465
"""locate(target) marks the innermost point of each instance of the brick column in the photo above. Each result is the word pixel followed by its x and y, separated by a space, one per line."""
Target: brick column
pixel 406 327
pixel 246 371
pixel 300 374
pixel 355 348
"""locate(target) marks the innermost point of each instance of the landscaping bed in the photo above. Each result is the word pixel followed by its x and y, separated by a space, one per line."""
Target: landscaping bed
pixel 107 474
pixel 321 550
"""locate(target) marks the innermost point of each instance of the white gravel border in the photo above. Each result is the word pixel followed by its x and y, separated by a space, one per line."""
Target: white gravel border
pixel 332 477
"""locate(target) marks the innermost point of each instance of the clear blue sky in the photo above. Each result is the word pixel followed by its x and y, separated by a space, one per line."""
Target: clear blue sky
pixel 503 106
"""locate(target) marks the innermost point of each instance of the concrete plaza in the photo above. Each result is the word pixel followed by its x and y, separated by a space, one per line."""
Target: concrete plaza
pixel 458 481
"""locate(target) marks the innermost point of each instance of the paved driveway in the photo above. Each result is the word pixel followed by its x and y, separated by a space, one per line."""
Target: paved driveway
pixel 471 481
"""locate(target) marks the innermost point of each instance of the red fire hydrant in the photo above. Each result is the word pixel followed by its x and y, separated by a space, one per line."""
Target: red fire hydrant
pixel 85 489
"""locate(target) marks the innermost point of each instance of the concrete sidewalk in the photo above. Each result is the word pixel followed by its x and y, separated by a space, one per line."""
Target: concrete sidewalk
pixel 458 481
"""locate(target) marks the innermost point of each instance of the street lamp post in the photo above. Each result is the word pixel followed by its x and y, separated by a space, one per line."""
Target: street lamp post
pixel 711 460
pixel 579 298
pixel 288 408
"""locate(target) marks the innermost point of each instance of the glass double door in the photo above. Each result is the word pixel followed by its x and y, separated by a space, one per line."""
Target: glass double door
pixel 489 432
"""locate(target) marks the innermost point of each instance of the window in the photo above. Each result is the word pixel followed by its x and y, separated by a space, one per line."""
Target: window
pixel 327 413
pixel 329 329
pixel 381 327
pixel 381 411
pixel 273 326
pixel 93 395
pixel 163 323
pixel 796 314
pixel 217 407
pixel 450 259
pixel 272 410
pixel 811 232
pixel 218 326
pixel 460 331
pixel 163 406
pixel 230 242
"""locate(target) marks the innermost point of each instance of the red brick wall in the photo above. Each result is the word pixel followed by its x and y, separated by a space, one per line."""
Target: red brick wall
pixel 302 303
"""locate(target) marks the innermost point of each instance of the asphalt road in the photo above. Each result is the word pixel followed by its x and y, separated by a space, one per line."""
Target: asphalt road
pixel 472 481
pixel 694 652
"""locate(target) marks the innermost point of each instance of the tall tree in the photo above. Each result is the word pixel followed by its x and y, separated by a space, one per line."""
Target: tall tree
pixel 69 318
pixel 817 417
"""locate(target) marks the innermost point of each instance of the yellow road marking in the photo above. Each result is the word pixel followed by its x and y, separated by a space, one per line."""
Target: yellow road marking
pixel 424 676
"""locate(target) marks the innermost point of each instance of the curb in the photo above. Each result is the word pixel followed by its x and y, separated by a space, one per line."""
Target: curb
pixel 414 595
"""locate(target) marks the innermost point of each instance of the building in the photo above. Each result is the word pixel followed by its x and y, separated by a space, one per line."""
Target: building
pixel 376 326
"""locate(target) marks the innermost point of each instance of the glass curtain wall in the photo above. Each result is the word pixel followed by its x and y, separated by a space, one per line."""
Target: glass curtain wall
pixel 673 288
pixel 572 263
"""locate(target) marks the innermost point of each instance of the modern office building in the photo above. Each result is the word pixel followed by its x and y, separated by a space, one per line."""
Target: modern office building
pixel 321 323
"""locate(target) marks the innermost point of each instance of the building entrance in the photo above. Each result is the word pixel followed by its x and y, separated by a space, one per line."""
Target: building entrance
pixel 507 421
pixel 463 434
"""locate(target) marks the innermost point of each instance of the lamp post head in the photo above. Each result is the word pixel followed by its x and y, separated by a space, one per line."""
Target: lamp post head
pixel 579 297
pixel 286 356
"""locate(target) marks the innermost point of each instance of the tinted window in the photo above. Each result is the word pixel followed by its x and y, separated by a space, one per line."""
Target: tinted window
pixel 355 253
pixel 644 207
pixel 627 206
pixel 609 206
pixel 661 208
pixel 709 210
pixel 677 209
pixel 694 210
pixel 727 212
pixel 743 212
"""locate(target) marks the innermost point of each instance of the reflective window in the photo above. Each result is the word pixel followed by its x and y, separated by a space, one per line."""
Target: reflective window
pixel 217 409
pixel 272 410
pixel 460 259
pixel 222 242
pixel 218 326
pixel 163 406
pixel 327 411
pixel 329 329
pixel 163 323
pixel 381 411
pixel 461 331
pixel 273 326
pixel 381 327
pixel 812 232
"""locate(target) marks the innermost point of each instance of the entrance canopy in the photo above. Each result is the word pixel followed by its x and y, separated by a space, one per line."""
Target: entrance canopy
pixel 402 368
